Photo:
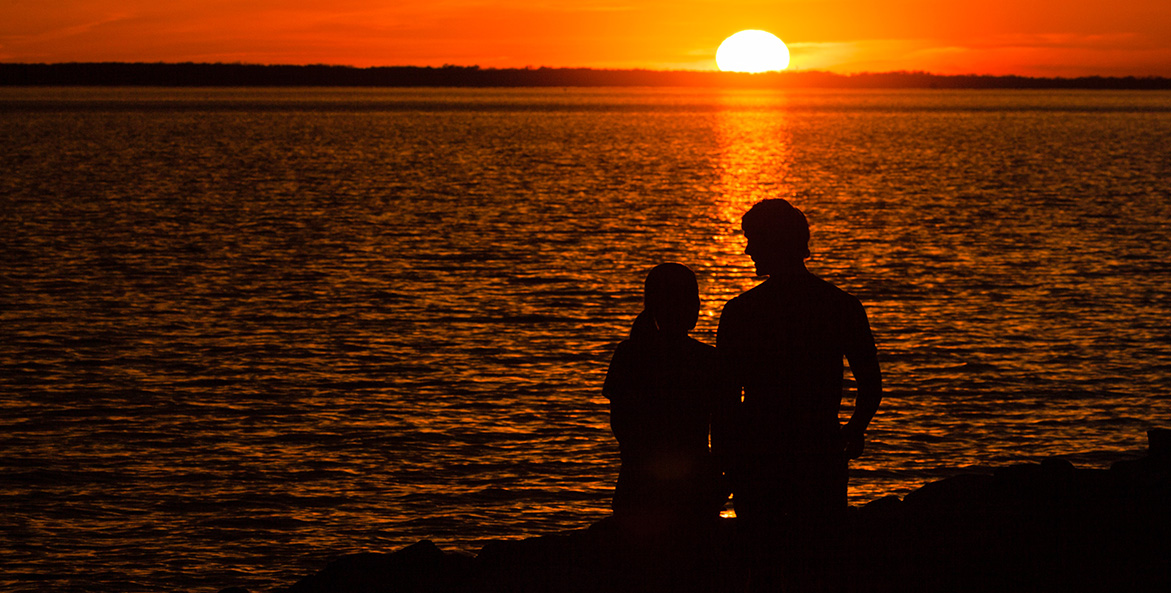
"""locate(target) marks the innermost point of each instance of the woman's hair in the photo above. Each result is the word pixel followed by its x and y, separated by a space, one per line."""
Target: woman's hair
pixel 670 301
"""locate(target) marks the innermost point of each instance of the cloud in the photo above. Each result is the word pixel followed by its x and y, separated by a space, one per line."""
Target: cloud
pixel 65 30
pixel 1042 54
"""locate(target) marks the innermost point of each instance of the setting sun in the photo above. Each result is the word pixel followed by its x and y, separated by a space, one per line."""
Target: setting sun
pixel 752 51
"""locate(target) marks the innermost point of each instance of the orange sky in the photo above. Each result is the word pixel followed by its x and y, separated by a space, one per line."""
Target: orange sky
pixel 1034 38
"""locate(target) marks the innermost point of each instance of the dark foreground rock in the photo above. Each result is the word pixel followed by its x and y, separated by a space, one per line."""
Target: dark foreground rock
pixel 1037 527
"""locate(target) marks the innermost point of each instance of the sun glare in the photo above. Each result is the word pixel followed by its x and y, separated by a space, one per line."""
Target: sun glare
pixel 752 51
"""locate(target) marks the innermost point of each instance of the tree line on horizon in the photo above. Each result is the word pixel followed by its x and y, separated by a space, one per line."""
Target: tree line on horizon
pixel 190 74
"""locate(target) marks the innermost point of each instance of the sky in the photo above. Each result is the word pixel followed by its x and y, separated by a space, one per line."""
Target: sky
pixel 1024 37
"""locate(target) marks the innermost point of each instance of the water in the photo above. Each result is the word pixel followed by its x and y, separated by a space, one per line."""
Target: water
pixel 246 331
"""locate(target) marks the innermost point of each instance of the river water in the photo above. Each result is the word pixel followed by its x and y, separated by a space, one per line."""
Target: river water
pixel 246 331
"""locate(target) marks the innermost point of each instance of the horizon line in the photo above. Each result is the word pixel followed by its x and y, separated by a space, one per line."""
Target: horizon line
pixel 477 67
pixel 240 74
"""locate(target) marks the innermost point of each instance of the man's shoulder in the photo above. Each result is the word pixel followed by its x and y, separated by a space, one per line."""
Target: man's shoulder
pixel 829 290
pixel 811 284
pixel 742 305
pixel 817 292
pixel 752 295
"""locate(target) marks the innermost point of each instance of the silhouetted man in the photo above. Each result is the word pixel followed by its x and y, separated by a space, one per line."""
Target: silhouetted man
pixel 782 343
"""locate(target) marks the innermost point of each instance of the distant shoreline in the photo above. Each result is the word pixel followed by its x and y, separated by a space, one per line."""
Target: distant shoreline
pixel 252 75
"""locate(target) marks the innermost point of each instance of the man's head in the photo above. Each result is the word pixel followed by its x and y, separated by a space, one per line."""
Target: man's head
pixel 778 236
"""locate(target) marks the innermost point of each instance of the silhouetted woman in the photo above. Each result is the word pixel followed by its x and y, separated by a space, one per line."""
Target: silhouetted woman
pixel 663 387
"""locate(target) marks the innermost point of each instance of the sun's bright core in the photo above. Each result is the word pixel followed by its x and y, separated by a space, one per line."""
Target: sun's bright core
pixel 752 51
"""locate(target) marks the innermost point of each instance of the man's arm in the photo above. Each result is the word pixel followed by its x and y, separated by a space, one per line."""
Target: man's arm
pixel 868 378
pixel 863 358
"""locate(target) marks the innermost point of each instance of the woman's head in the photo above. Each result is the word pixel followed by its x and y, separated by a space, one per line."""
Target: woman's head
pixel 671 297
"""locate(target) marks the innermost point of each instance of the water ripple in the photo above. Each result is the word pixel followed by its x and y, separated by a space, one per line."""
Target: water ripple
pixel 248 331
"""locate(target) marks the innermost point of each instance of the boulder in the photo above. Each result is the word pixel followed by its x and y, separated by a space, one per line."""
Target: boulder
pixel 421 567
pixel 1047 526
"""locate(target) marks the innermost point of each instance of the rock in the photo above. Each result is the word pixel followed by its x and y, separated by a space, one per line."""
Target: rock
pixel 1058 466
pixel 422 567
pixel 949 495
pixel 1159 442
pixel 1028 527
pixel 885 506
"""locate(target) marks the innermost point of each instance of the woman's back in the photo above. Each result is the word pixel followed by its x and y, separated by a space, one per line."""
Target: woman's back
pixel 663 388
pixel 661 394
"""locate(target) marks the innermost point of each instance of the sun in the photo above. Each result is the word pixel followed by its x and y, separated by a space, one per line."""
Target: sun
pixel 752 51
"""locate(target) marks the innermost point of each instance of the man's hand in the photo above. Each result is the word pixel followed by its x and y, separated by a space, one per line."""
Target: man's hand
pixel 853 441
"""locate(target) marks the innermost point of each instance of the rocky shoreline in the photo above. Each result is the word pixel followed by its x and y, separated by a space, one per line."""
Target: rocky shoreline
pixel 1033 527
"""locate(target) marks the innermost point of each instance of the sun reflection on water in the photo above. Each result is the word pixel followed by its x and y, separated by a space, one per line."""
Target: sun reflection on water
pixel 753 139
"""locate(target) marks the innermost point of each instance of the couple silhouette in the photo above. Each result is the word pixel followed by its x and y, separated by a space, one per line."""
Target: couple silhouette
pixel 766 398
